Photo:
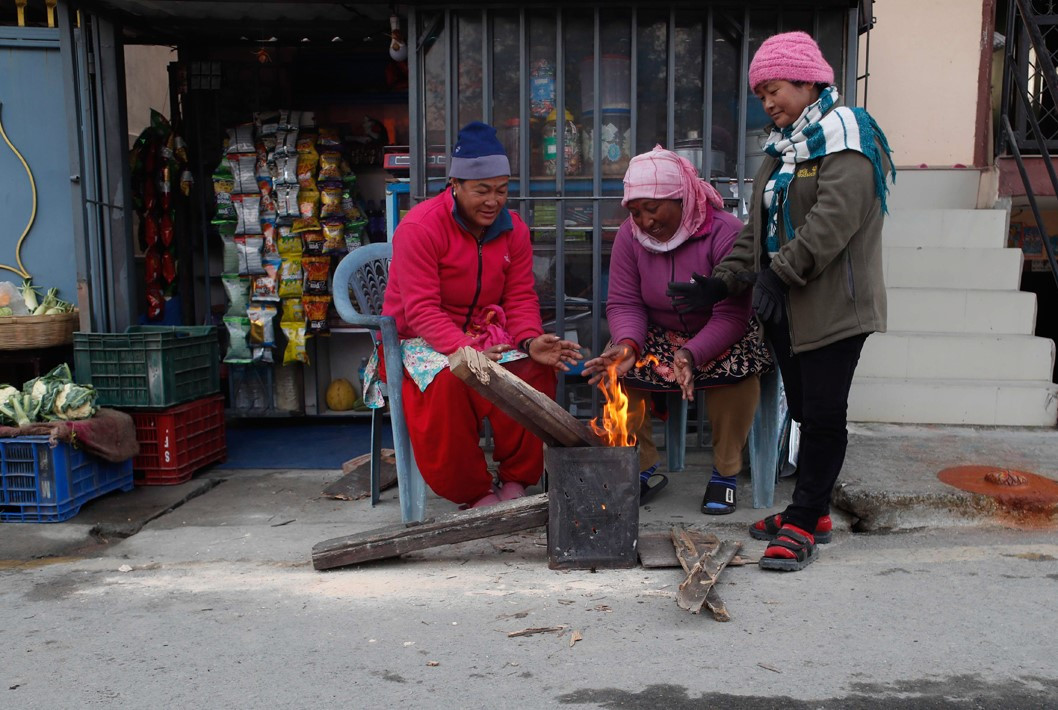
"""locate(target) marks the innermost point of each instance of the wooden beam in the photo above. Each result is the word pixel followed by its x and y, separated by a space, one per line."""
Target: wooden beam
pixel 532 409
pixel 507 517
pixel 702 576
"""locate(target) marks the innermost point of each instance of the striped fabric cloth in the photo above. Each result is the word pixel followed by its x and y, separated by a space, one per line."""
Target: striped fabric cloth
pixel 822 129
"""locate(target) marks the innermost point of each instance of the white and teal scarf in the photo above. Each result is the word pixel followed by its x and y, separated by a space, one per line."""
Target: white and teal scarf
pixel 822 129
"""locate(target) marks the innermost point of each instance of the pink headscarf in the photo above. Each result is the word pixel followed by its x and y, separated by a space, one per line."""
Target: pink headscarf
pixel 663 175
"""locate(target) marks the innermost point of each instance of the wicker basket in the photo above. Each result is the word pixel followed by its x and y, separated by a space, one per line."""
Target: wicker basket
pixel 28 332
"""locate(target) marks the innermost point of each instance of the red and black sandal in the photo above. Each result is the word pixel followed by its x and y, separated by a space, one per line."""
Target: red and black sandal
pixel 792 549
pixel 768 528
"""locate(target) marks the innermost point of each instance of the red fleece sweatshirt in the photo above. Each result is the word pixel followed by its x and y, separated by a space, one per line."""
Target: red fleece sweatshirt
pixel 440 277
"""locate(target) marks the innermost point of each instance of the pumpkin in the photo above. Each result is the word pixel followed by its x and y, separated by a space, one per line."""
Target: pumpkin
pixel 341 396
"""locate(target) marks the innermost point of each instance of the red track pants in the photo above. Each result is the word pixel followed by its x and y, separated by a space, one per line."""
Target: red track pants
pixel 444 424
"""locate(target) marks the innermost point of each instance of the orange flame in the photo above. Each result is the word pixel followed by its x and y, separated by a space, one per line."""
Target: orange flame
pixel 618 425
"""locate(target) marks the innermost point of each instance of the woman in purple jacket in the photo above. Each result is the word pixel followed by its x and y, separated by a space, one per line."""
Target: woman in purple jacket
pixel 676 228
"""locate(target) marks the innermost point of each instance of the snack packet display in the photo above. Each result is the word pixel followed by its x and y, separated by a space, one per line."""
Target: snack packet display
pixel 286 197
pixel 289 244
pixel 314 243
pixel 266 286
pixel 330 202
pixel 308 203
pixel 307 170
pixel 223 187
pixel 317 271
pixel 291 277
pixel 238 290
pixel 230 262
pixel 330 166
pixel 262 332
pixel 295 350
pixel 248 213
pixel 238 349
pixel 333 237
pixel 243 171
pixel 316 312
pixel 240 138
pixel 293 312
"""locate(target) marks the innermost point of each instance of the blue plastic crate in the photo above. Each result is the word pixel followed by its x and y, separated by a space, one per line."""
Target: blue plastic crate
pixel 41 484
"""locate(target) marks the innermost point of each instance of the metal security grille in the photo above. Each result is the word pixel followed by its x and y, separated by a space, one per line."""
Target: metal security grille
pixel 1043 104
pixel 574 92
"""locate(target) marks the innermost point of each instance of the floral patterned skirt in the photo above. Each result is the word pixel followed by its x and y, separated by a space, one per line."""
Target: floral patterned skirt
pixel 748 356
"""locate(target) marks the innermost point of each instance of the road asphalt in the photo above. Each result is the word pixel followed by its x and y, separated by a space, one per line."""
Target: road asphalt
pixel 204 593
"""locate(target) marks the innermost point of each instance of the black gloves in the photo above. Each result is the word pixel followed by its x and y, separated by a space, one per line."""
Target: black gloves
pixel 769 296
pixel 703 292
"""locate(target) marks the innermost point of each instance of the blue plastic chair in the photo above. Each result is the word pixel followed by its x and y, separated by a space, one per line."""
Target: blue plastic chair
pixel 764 438
pixel 365 271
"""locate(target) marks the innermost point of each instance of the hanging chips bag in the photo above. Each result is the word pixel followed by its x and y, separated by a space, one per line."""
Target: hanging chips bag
pixel 328 137
pixel 290 277
pixel 317 271
pixel 238 290
pixel 223 186
pixel 268 230
pixel 289 244
pixel 307 170
pixel 316 312
pixel 286 168
pixel 308 203
pixel 230 262
pixel 244 173
pixel 238 349
pixel 262 332
pixel 266 286
pixel 330 202
pixel 295 349
pixel 333 237
pixel 248 212
pixel 240 138
pixel 287 201
pixel 304 224
pixel 293 312
pixel 330 166
pixel 314 243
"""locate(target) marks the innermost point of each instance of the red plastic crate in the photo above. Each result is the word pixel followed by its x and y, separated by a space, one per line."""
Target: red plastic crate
pixel 176 442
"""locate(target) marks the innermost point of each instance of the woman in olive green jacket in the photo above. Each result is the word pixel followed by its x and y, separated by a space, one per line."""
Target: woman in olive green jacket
pixel 812 249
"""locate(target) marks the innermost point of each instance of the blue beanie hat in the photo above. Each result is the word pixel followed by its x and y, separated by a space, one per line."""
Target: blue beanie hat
pixel 478 154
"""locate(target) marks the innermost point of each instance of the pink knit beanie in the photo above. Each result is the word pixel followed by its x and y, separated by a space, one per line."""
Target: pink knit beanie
pixel 793 56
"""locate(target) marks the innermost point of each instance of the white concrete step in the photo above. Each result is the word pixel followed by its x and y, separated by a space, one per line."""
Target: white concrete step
pixel 941 310
pixel 930 267
pixel 937 189
pixel 981 402
pixel 935 356
pixel 945 228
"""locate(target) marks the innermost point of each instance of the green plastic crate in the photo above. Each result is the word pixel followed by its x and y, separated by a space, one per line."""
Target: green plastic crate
pixel 149 365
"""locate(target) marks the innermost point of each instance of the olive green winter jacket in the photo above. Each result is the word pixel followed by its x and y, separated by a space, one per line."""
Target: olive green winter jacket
pixel 833 265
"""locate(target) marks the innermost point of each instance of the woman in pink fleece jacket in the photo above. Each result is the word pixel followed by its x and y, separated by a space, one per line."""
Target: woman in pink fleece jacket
pixel 676 228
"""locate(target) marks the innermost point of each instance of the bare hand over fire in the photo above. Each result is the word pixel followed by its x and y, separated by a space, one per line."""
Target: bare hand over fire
pixel 618 358
pixel 551 350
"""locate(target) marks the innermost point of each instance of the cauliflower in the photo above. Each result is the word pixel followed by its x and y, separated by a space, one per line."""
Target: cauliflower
pixel 74 402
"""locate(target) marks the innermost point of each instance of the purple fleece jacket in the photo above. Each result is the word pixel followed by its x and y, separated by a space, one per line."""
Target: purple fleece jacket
pixel 639 279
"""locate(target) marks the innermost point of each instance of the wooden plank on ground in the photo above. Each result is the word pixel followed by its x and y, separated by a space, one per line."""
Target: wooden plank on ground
pixel 703 575
pixel 356 483
pixel 532 409
pixel 689 551
pixel 507 517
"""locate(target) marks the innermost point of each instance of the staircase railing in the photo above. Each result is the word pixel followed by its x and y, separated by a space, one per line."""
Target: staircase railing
pixel 1021 23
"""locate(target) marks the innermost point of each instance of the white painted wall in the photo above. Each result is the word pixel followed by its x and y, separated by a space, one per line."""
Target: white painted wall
pixel 923 83
pixel 146 84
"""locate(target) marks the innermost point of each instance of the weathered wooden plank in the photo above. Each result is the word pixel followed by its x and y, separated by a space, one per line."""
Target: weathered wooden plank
pixel 656 549
pixel 532 409
pixel 689 551
pixel 394 540
pixel 356 483
pixel 703 574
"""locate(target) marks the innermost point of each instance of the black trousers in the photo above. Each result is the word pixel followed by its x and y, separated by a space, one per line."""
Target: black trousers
pixel 817 386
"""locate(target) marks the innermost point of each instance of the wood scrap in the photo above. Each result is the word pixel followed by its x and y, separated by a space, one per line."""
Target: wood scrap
pixel 355 482
pixel 515 397
pixel 536 630
pixel 656 549
pixel 703 575
pixel 689 552
pixel 394 540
